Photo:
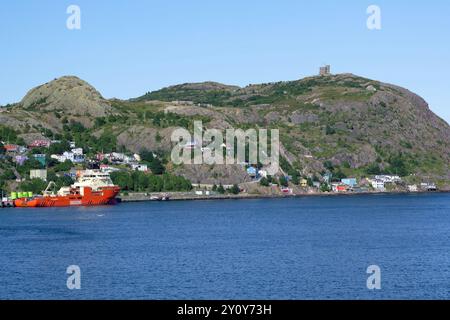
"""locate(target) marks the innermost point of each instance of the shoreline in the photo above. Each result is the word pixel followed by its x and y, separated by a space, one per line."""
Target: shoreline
pixel 138 197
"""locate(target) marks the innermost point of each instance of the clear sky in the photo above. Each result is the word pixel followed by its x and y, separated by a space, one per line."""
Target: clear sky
pixel 128 47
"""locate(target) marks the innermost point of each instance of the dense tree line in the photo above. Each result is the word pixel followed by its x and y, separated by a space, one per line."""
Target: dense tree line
pixel 9 135
pixel 83 138
pixel 143 182
pixel 154 163
pixel 221 190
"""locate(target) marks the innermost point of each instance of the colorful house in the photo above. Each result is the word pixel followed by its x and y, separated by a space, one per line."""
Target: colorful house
pixel 252 171
pixel 11 147
pixel 339 187
pixel 41 158
pixel 303 183
pixel 40 143
pixel 351 182
pixel 20 160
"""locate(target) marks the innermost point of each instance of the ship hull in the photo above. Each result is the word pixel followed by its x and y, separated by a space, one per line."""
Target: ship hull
pixel 103 197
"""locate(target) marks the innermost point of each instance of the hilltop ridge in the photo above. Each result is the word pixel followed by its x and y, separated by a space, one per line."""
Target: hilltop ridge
pixel 345 123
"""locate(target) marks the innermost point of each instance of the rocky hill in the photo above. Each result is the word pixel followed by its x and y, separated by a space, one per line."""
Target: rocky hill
pixel 45 106
pixel 343 123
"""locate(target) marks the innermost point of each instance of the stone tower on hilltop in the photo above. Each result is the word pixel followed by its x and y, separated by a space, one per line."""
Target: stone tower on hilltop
pixel 325 70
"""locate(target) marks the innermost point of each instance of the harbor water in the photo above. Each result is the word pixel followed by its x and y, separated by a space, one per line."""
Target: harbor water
pixel 300 248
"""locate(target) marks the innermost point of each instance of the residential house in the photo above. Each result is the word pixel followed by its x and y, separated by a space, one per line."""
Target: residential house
pixel 304 183
pixel 75 158
pixel 43 143
pixel 327 178
pixel 388 179
pixel 77 151
pixel 11 147
pixel 41 158
pixel 252 172
pixel 428 186
pixel 262 173
pixel 339 187
pixel 38 174
pixel 138 157
pixel 20 160
pixel 378 185
pixel 117 157
pixel 108 169
pixel 139 167
pixel 351 182
pixel 316 184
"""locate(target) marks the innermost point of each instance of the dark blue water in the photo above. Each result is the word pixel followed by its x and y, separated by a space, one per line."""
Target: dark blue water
pixel 307 248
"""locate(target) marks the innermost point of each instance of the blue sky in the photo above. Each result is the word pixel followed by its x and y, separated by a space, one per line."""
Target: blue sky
pixel 128 47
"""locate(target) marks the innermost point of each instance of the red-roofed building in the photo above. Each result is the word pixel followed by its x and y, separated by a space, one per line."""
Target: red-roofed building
pixel 40 143
pixel 11 148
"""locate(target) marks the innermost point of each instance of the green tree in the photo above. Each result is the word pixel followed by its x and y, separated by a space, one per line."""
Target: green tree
pixel 221 189
pixel 64 181
pixel 339 175
pixel 283 181
pixel 28 165
pixel 324 187
pixel 264 182
pixel 63 166
pixel 59 148
pixel 296 178
pixel 373 169
pixel 8 174
pixel 235 189
pixel 328 165
pixel 329 130
pixel 123 180
pixel 399 165
pixel 154 163
pixel 35 185
pixel 157 167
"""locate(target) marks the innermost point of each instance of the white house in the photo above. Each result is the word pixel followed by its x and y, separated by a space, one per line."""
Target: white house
pixel 75 158
pixel 38 174
pixel 262 173
pixel 137 157
pixel 378 185
pixel 139 167
pixel 77 151
pixel 108 169
pixel 388 179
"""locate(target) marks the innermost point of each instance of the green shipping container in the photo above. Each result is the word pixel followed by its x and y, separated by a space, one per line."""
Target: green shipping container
pixel 13 195
pixel 30 194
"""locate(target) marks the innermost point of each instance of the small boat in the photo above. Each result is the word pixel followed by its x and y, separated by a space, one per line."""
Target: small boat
pixel 92 188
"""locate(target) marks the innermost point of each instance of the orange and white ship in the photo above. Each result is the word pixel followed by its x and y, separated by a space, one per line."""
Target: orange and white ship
pixel 92 188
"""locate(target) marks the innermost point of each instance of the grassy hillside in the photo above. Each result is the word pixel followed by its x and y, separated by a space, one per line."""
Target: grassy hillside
pixel 346 124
